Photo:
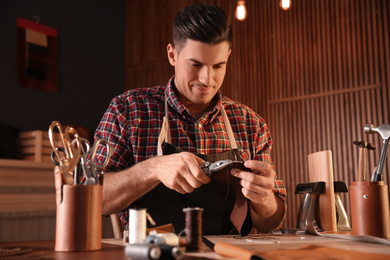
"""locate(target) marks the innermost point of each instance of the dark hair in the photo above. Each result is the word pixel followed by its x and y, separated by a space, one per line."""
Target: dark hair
pixel 205 23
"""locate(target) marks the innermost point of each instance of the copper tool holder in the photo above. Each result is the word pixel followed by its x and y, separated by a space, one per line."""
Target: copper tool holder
pixel 79 218
pixel 370 209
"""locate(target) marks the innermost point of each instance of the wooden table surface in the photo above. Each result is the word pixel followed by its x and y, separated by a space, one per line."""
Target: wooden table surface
pixel 115 249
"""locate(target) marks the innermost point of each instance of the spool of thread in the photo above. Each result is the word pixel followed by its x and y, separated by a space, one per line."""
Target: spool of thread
pixel 143 251
pixel 137 226
pixel 170 252
pixel 193 229
pixel 163 239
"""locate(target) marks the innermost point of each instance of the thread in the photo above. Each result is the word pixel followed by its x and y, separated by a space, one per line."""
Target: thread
pixel 163 239
pixel 137 226
pixel 143 251
pixel 193 229
pixel 170 252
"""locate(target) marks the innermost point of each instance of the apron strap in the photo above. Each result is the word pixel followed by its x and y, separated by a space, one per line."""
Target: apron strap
pixel 165 133
pixel 228 127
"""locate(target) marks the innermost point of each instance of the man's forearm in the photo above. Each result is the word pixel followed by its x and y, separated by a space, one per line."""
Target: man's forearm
pixel 268 216
pixel 122 188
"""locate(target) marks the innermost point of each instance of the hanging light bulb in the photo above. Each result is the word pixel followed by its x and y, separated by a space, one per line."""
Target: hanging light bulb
pixel 285 4
pixel 241 11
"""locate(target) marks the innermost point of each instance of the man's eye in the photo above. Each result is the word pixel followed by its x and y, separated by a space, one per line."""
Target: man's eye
pixel 195 65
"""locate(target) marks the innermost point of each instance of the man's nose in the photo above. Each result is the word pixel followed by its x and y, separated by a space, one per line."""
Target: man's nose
pixel 205 75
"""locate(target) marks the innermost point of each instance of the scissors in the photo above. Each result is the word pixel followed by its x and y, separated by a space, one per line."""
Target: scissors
pixel 68 153
pixel 84 146
pixel 91 173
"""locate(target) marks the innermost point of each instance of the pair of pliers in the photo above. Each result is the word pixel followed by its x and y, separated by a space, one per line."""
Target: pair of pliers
pixel 209 168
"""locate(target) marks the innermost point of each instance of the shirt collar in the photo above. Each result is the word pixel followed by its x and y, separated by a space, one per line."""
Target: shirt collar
pixel 174 102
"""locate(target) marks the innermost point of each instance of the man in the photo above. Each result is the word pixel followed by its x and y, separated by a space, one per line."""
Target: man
pixel 195 127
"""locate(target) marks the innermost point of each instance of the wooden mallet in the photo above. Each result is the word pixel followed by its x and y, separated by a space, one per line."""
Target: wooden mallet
pixel 363 146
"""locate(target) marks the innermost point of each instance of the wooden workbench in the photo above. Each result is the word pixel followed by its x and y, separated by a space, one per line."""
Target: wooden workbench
pixel 115 249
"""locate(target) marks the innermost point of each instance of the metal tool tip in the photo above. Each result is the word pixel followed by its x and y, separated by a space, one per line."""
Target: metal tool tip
pixel 368 128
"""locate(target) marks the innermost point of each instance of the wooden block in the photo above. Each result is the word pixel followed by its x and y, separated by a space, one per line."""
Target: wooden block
pixel 321 169
pixel 35 145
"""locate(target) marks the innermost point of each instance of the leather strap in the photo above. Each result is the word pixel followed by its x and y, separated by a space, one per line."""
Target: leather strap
pixel 58 184
pixel 165 133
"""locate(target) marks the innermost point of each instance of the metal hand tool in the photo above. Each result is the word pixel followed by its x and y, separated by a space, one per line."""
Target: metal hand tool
pixel 363 147
pixel 307 209
pixel 217 166
pixel 54 158
pixel 384 131
pixel 68 153
pixel 209 168
pixel 86 148
pixel 342 218
pixel 94 167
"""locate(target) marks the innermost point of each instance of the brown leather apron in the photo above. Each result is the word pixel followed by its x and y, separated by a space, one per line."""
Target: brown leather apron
pixel 226 210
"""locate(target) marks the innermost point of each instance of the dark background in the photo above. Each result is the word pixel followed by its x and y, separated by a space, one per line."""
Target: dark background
pixel 91 62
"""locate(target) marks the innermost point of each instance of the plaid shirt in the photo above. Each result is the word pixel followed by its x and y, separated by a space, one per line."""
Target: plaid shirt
pixel 133 121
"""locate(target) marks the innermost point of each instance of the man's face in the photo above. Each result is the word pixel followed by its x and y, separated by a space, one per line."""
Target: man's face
pixel 199 71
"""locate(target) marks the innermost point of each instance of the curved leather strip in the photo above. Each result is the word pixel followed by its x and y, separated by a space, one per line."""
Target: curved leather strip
pixel 165 133
pixel 58 184
pixel 229 130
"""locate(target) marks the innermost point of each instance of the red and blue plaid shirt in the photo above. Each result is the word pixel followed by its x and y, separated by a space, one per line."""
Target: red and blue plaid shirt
pixel 133 121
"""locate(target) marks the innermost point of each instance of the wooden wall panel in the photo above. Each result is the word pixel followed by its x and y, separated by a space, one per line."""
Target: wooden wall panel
pixel 317 73
pixel 344 86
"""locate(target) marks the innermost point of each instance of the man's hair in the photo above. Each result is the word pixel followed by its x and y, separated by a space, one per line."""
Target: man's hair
pixel 204 23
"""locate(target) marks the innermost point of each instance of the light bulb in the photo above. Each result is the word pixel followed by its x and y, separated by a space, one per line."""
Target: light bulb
pixel 241 11
pixel 285 4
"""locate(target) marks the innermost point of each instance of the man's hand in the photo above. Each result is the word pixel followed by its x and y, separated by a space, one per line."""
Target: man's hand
pixel 267 210
pixel 256 185
pixel 181 172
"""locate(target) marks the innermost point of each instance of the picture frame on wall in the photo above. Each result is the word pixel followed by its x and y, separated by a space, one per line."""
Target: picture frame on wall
pixel 37 55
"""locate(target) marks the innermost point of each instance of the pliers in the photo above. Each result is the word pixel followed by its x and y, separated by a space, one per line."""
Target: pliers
pixel 209 168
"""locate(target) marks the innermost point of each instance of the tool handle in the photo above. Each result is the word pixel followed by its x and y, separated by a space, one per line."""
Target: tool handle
pixel 362 164
pixel 376 177
pixel 382 158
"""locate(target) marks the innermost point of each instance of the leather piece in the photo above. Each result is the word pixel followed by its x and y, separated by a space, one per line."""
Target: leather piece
pixel 240 215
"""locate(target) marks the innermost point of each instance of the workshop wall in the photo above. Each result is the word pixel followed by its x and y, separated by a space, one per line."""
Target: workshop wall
pixel 91 49
pixel 317 73
pixel 91 65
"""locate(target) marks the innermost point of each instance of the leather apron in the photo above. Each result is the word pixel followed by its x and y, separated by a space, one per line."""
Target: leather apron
pixel 226 210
